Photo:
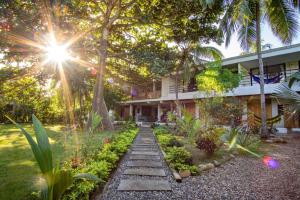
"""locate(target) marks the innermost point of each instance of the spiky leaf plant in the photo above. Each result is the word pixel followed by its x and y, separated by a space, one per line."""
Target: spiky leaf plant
pixel 57 180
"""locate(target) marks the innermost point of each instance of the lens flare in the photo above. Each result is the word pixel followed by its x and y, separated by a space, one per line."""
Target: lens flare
pixel 270 162
pixel 57 53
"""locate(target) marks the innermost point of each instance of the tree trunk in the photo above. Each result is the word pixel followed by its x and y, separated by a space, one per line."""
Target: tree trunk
pixel 178 109
pixel 99 105
pixel 264 132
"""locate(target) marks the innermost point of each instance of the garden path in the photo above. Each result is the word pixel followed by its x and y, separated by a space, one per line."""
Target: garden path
pixel 142 173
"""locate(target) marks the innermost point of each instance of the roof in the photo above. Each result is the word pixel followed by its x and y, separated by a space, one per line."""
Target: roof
pixel 265 54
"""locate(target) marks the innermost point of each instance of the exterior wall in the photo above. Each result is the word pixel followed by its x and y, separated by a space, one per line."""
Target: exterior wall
pixel 190 107
pixel 165 86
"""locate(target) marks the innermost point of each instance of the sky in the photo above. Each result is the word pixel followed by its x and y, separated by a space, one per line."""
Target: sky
pixel 267 36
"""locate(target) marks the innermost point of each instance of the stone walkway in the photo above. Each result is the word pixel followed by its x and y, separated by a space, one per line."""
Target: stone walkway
pixel 142 171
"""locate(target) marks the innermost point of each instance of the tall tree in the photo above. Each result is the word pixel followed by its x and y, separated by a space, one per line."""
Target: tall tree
pixel 245 17
pixel 189 27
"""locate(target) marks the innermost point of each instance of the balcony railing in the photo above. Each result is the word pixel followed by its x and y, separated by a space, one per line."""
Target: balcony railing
pixel 246 80
pixel 147 95
pixel 182 89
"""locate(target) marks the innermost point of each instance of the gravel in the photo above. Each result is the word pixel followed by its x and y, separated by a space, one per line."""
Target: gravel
pixel 241 178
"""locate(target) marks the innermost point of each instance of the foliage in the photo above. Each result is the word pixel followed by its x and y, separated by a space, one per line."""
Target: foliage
pixel 229 111
pixel 188 125
pixel 207 145
pixel 294 78
pixel 217 79
pixel 102 163
pixel 176 154
pixel 96 120
pixel 240 17
pixel 242 139
pixel 289 97
pixel 209 139
pixel 180 159
pixel 57 180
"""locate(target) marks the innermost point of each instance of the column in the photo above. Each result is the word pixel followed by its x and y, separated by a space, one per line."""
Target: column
pixel 245 110
pixel 275 112
pixel 158 112
pixel 130 110
pixel 197 111
pixel 153 86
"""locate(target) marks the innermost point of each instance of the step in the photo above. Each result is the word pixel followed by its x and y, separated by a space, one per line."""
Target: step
pixel 143 149
pixel 148 153
pixel 144 157
pixel 144 145
pixel 144 185
pixel 145 171
pixel 143 163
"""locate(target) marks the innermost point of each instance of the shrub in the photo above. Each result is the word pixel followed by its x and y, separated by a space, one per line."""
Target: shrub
pixel 173 142
pixel 160 130
pixel 209 139
pixel 207 145
pixel 178 155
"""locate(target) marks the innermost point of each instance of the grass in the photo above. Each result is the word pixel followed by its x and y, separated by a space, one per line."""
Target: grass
pixel 19 173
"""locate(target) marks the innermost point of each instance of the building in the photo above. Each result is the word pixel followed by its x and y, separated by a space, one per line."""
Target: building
pixel 149 104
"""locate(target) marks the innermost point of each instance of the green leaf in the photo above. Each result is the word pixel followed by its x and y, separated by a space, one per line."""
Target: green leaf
pixel 43 142
pixel 86 176
pixel 34 147
pixel 63 180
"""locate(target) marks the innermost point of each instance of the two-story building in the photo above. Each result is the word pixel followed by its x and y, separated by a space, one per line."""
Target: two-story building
pixel 151 103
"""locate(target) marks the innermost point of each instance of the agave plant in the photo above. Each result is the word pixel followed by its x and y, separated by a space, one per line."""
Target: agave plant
pixel 57 180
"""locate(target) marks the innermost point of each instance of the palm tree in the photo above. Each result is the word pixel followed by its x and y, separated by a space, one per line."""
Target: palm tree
pixel 245 18
pixel 191 55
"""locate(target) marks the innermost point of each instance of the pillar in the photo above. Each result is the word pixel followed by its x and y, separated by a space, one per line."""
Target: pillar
pixel 275 113
pixel 245 110
pixel 158 112
pixel 153 86
pixel 197 111
pixel 130 110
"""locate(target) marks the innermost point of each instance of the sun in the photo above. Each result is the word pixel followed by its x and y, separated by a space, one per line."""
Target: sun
pixel 57 53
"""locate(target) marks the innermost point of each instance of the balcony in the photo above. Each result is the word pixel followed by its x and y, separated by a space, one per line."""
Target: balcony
pixel 248 80
pixel 146 95
pixel 182 89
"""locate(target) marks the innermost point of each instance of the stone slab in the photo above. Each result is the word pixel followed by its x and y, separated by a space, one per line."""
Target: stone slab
pixel 145 171
pixel 143 149
pixel 144 163
pixel 144 145
pixel 144 185
pixel 148 153
pixel 141 142
pixel 144 157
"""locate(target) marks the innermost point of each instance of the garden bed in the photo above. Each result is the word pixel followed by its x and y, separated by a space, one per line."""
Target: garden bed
pixel 102 164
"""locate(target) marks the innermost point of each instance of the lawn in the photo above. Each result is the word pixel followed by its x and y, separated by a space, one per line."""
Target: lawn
pixel 19 173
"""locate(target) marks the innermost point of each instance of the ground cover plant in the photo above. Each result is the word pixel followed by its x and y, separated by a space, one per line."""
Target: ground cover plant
pixel 176 155
pixel 101 164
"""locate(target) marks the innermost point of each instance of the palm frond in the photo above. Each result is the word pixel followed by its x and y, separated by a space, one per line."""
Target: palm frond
pixel 287 96
pixel 295 4
pixel 294 77
pixel 208 52
pixel 283 19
